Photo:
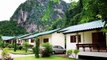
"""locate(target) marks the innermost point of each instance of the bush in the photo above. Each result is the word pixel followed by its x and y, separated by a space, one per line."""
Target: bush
pixel 4 44
pixel 47 51
pixel 20 47
pixel 26 46
pixel 10 45
pixel 33 49
pixel 71 52
pixel 5 54
pixel 1 44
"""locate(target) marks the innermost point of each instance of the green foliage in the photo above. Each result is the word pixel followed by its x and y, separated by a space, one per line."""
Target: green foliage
pixel 26 46
pixel 1 44
pixel 15 46
pixel 48 11
pixel 5 53
pixel 43 14
pixel 36 49
pixel 20 47
pixel 56 1
pixel 76 51
pixel 71 52
pixel 4 44
pixel 48 50
pixel 10 28
pixel 58 23
pixel 86 11
pixel 29 6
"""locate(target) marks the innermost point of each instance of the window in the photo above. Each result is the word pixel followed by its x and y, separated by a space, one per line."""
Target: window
pixel 46 40
pixel 18 41
pixel 72 39
pixel 32 41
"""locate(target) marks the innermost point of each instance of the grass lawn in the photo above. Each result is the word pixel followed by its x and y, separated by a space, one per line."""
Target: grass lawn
pixel 19 51
pixel 49 58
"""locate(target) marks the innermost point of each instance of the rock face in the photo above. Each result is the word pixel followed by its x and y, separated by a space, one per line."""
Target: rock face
pixel 29 14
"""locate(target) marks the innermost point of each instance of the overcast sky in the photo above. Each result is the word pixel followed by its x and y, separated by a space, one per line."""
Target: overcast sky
pixel 7 8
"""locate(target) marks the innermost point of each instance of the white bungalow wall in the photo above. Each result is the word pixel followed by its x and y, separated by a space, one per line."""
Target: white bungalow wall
pixel 58 39
pixel 41 38
pixel 29 41
pixel 54 39
pixel 86 37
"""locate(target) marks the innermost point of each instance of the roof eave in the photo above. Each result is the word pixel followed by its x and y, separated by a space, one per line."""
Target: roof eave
pixel 82 30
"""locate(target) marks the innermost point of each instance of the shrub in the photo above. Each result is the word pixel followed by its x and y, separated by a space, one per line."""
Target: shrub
pixel 20 47
pixel 1 44
pixel 4 44
pixel 33 49
pixel 10 45
pixel 76 52
pixel 26 46
pixel 71 52
pixel 47 51
pixel 5 54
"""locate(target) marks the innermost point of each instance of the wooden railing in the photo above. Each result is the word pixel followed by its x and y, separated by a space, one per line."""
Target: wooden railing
pixel 91 46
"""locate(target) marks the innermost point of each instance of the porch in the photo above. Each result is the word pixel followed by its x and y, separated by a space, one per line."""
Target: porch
pixel 98 42
pixel 92 47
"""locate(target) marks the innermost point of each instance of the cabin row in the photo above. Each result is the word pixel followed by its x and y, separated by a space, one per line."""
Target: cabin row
pixel 87 35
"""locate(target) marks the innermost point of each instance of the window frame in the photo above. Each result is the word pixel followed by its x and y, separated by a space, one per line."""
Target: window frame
pixel 32 41
pixel 73 38
pixel 44 40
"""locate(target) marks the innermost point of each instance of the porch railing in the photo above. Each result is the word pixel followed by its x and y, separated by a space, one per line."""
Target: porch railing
pixel 91 47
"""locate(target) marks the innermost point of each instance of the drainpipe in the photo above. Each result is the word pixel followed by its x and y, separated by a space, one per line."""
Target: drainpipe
pixel 65 42
pixel 106 39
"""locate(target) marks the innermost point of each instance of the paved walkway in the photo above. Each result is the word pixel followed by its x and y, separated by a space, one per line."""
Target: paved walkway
pixel 17 55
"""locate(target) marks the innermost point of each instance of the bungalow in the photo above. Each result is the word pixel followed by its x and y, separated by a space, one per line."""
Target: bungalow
pixel 87 35
pixel 52 36
pixel 12 39
pixel 8 39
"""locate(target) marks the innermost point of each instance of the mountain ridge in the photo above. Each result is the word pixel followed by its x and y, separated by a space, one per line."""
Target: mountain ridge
pixel 29 14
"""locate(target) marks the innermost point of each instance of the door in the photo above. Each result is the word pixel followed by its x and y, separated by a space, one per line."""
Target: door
pixel 99 38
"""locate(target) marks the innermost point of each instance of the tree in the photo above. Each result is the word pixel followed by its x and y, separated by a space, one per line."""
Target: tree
pixel 15 44
pixel 85 11
pixel 11 28
pixel 37 48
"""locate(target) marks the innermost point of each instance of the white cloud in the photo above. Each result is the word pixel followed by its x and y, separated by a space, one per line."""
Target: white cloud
pixel 68 1
pixel 7 8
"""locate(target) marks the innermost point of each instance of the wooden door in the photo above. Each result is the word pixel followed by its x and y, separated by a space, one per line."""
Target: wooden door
pixel 99 38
